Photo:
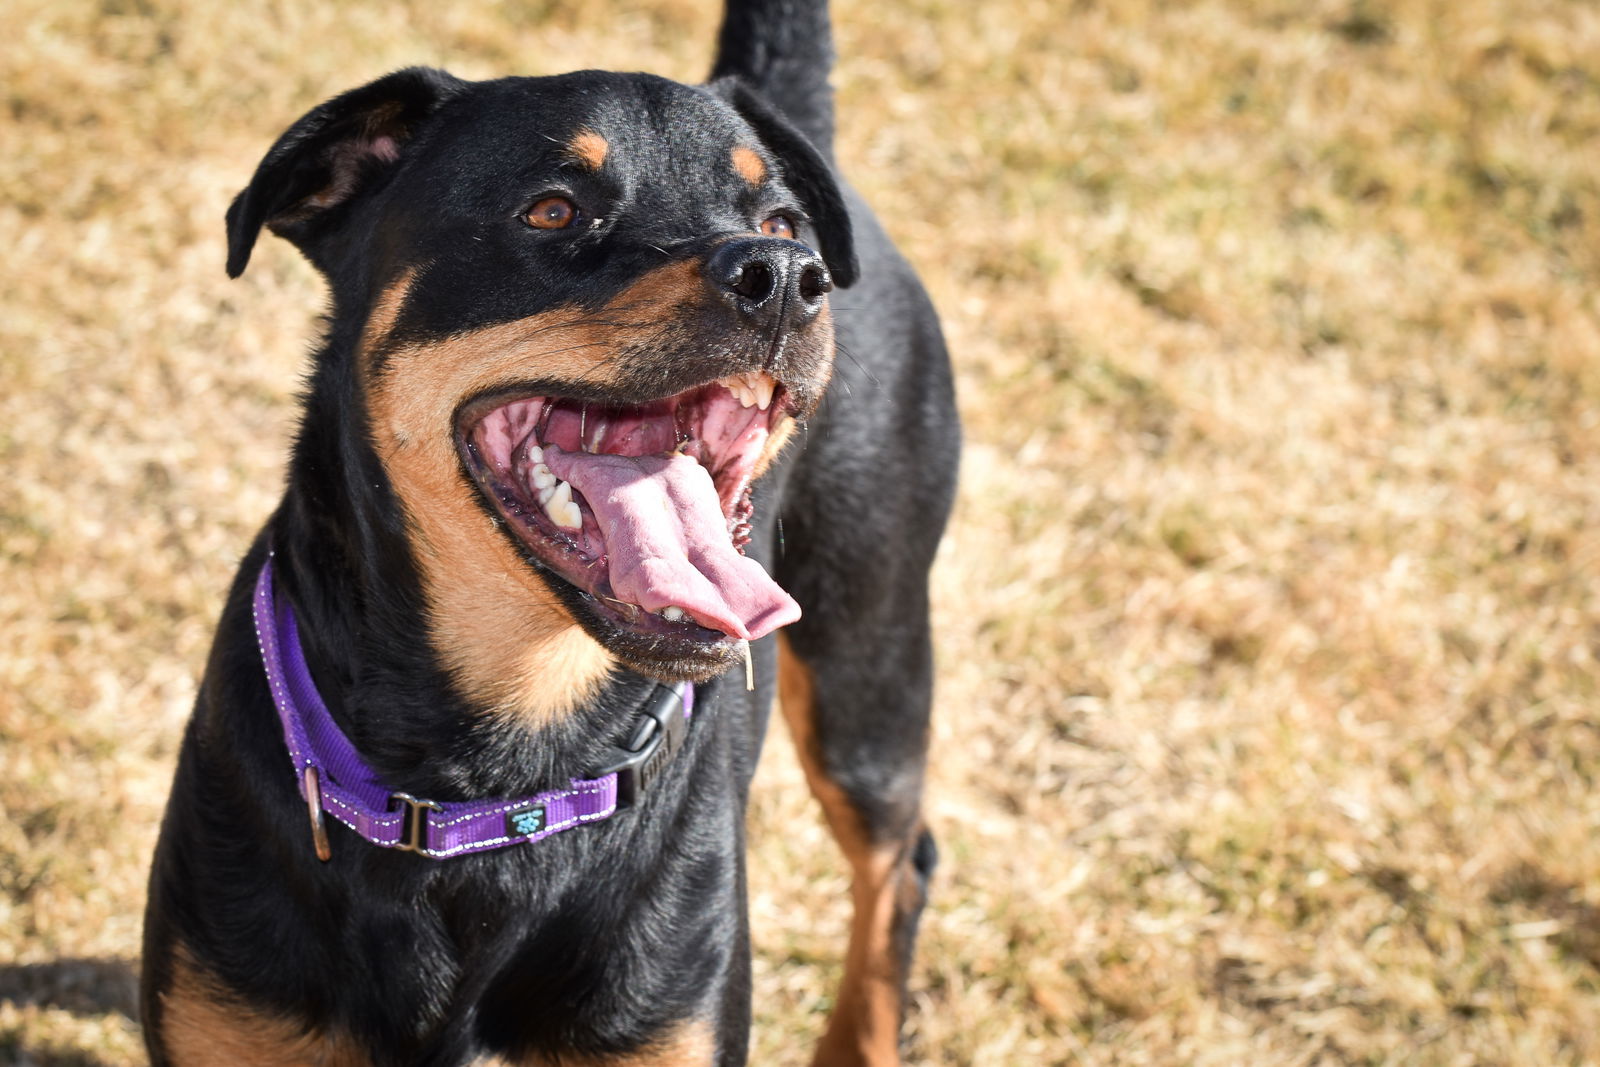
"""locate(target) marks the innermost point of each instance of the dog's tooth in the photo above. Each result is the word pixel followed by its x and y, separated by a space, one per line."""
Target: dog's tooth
pixel 739 386
pixel 557 496
pixel 673 613
pixel 569 516
pixel 594 434
pixel 762 389
pixel 536 454
pixel 562 509
pixel 543 477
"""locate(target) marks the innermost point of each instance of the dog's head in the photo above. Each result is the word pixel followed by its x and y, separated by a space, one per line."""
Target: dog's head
pixel 583 314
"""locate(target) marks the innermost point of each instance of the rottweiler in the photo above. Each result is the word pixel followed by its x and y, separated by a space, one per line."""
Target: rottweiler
pixel 618 381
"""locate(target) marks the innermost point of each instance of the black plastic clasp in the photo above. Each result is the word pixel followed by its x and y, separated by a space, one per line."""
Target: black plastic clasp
pixel 656 738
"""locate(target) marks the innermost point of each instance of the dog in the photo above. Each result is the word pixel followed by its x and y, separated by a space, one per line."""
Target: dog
pixel 628 420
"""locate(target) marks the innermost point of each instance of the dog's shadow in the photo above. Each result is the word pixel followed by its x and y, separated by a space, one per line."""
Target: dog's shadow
pixel 79 986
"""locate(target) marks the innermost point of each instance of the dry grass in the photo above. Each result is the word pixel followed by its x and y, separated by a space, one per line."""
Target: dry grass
pixel 1269 617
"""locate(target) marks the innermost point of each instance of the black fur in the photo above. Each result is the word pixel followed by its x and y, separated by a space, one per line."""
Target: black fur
pixel 782 49
pixel 596 941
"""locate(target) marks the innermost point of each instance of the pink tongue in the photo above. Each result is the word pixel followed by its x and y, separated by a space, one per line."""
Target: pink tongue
pixel 668 542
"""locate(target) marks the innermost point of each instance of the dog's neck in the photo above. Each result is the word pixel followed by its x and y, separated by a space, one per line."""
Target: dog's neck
pixel 384 689
pixel 470 657
pixel 512 650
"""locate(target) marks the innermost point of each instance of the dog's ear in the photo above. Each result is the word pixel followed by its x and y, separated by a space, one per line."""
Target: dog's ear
pixel 338 151
pixel 805 171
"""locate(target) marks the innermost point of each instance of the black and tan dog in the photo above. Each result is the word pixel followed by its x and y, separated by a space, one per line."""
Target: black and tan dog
pixel 577 400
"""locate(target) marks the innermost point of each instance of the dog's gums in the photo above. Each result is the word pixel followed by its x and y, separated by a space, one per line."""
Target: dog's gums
pixel 645 508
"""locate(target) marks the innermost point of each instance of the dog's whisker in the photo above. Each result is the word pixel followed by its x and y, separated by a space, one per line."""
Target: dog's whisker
pixel 847 354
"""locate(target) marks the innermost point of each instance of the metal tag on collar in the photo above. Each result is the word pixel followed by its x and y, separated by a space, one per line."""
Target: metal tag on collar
pixel 656 738
pixel 414 825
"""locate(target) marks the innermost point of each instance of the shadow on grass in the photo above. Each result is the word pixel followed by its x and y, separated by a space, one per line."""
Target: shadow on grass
pixel 11 1053
pixel 79 986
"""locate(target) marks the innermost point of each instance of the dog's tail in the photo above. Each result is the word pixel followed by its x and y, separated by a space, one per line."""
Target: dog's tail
pixel 784 50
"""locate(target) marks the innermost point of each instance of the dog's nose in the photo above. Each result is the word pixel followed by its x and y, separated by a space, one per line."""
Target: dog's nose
pixel 771 282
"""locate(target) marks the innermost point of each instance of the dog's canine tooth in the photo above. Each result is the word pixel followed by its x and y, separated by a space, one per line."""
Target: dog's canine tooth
pixel 752 389
pixel 594 433
pixel 673 613
pixel 761 389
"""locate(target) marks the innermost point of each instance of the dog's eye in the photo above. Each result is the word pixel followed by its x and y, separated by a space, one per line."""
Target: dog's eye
pixel 551 213
pixel 778 226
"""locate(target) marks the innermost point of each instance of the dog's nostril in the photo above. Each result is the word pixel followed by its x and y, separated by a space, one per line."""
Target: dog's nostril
pixel 755 281
pixel 814 283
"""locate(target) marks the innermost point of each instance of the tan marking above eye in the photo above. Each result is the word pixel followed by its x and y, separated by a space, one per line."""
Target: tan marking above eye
pixel 748 165
pixel 589 148
pixel 777 226
pixel 551 213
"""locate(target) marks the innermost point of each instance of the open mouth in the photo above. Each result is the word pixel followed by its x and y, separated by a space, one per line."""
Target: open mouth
pixel 644 508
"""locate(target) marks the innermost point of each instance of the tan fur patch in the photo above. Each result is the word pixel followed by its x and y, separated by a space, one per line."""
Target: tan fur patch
pixel 203 1024
pixel 383 316
pixel 865 1027
pixel 589 148
pixel 507 640
pixel 690 1045
pixel 748 165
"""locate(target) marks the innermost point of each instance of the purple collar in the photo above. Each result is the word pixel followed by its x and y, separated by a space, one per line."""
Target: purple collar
pixel 333 777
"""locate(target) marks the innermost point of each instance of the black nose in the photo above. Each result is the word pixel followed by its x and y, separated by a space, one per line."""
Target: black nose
pixel 769 281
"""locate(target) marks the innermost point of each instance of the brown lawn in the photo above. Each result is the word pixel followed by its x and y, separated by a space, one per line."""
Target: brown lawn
pixel 1269 617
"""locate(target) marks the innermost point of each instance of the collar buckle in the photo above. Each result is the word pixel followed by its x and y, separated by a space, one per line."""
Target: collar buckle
pixel 638 762
pixel 414 828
